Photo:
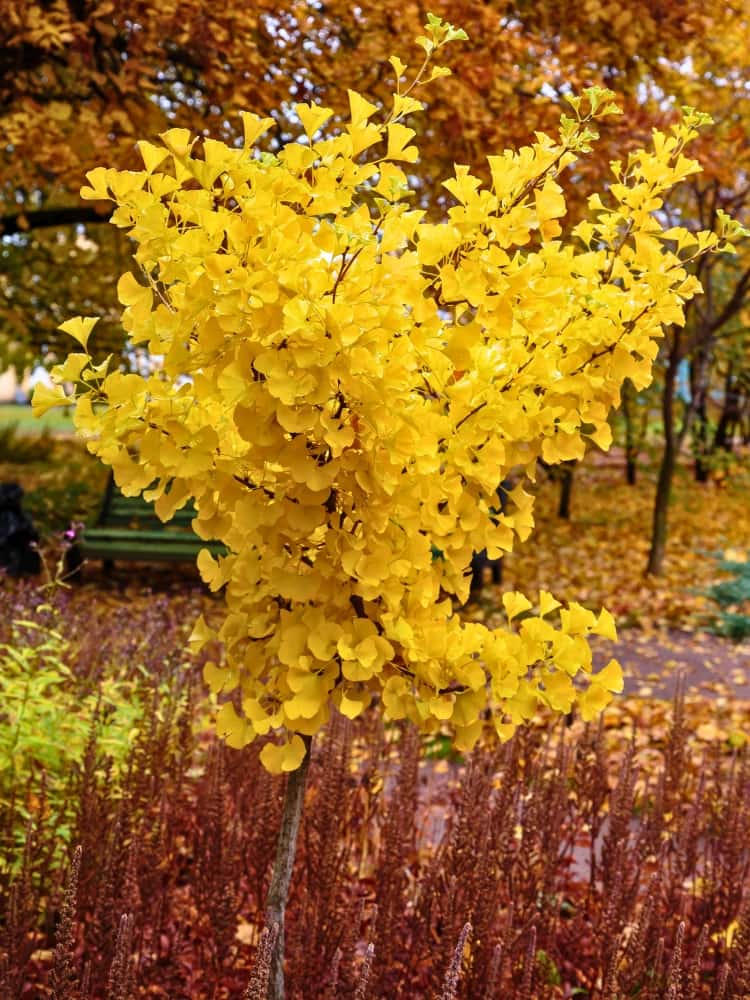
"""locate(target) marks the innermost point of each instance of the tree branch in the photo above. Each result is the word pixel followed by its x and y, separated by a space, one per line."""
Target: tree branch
pixel 734 304
pixel 46 218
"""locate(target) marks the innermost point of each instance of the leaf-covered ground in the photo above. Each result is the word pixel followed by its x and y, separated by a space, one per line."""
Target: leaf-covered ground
pixel 599 555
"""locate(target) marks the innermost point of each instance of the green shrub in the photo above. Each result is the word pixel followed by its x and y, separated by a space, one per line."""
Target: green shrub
pixel 733 597
pixel 54 506
pixel 46 721
pixel 62 483
pixel 17 448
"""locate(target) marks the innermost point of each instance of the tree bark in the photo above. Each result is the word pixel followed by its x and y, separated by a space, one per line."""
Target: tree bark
pixel 699 376
pixel 702 444
pixel 631 448
pixel 667 466
pixel 566 490
pixel 661 508
pixel 731 413
pixel 286 848
pixel 673 441
pixel 46 218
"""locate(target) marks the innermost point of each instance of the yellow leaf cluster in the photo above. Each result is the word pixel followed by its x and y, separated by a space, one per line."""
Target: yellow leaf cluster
pixel 344 384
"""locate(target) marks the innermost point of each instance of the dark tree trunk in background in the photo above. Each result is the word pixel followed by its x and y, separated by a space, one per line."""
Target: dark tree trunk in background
pixel 667 466
pixel 45 218
pixel 661 508
pixel 701 437
pixel 631 443
pixel 701 444
pixel 673 441
pixel 731 413
pixel 567 471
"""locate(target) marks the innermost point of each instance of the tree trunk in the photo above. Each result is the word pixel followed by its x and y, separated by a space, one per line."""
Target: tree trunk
pixel 674 438
pixel 701 443
pixel 667 467
pixel 566 490
pixel 661 508
pixel 631 447
pixel 702 446
pixel 731 412
pixel 286 847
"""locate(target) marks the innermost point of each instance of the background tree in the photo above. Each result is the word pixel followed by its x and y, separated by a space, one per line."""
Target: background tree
pixel 81 80
pixel 48 274
pixel 718 76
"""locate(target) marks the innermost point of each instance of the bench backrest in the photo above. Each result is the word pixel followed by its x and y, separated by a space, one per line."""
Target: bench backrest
pixel 118 511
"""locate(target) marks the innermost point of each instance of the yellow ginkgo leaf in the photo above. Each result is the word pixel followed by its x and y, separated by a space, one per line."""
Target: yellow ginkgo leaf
pixel 547 603
pixel 593 701
pixel 233 728
pixel 308 698
pixel 46 397
pixel 254 126
pixel 559 690
pixel 610 677
pixel 80 328
pixel 152 155
pixel 399 137
pixel 360 108
pixel 605 625
pixel 201 633
pixel 219 678
pixel 352 702
pixel 515 604
pixel 284 757
pixel 312 116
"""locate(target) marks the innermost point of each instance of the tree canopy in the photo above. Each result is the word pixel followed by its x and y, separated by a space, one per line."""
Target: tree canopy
pixel 345 382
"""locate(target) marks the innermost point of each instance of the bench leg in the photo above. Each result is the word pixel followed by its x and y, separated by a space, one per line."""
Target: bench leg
pixel 72 563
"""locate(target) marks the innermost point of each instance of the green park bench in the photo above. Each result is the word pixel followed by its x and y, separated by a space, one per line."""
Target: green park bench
pixel 128 529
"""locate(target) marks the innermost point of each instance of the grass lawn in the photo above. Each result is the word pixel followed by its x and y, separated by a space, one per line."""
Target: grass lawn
pixel 56 421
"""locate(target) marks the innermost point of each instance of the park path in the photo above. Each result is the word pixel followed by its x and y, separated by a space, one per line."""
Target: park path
pixel 652 662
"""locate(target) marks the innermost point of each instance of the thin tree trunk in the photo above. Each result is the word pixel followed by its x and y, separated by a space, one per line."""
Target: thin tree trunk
pixel 631 448
pixel 702 444
pixel 286 847
pixel 666 469
pixel 730 413
pixel 700 374
pixel 673 442
pixel 661 508
pixel 566 490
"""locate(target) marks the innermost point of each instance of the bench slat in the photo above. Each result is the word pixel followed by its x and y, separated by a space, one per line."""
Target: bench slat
pixel 139 553
pixel 145 535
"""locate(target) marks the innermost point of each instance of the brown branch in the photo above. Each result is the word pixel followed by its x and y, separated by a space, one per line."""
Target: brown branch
pixel 47 218
pixel 734 304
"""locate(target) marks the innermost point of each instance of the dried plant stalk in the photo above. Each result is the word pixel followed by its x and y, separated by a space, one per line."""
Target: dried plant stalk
pixel 63 978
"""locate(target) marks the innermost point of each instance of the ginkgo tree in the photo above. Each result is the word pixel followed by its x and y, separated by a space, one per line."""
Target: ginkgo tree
pixel 344 384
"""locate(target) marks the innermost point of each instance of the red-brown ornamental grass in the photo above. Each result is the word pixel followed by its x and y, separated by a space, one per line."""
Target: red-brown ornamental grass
pixel 573 858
